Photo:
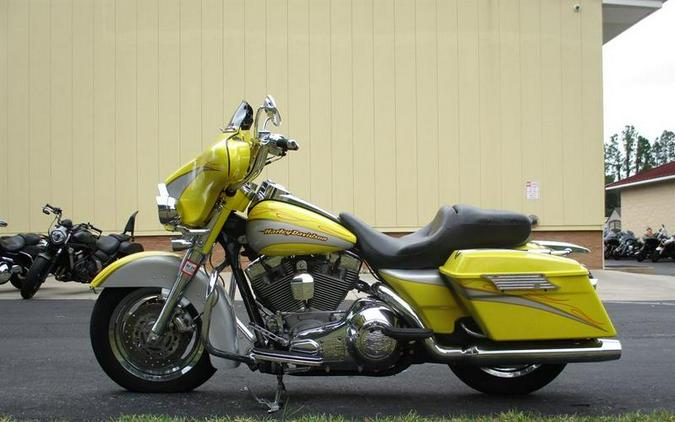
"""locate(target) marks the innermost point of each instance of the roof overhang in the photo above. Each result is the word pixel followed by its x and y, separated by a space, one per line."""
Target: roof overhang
pixel 642 182
pixel 619 15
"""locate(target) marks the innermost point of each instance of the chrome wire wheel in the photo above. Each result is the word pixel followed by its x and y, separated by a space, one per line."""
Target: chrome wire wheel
pixel 511 371
pixel 174 354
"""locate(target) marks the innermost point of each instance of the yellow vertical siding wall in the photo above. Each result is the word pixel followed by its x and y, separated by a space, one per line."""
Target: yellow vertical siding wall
pixel 399 106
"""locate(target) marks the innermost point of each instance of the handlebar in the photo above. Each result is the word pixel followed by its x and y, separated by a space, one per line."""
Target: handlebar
pixel 282 143
pixel 96 229
pixel 48 209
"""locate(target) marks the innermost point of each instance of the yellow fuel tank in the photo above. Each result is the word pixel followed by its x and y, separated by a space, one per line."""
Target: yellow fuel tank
pixel 277 228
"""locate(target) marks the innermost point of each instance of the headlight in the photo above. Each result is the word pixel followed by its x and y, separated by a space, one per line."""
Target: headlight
pixel 166 207
pixel 58 236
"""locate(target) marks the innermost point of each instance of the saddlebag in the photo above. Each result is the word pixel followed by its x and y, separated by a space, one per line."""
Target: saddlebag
pixel 520 295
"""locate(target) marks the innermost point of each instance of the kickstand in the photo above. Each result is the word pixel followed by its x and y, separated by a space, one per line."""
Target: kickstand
pixel 273 406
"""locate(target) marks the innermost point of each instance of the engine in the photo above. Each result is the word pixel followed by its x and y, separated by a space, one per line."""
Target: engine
pixel 85 267
pixel 303 295
pixel 303 283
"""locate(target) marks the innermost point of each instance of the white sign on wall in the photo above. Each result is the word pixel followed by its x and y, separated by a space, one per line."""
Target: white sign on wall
pixel 532 190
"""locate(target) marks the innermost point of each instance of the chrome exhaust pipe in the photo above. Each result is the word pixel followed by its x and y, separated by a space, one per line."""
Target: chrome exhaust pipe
pixel 596 350
pixel 280 356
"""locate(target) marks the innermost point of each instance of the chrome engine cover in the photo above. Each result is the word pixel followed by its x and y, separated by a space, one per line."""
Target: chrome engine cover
pixel 357 341
pixel 300 283
pixel 366 337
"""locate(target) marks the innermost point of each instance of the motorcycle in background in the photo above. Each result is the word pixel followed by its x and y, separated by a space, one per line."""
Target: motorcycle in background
pixel 628 246
pixel 651 242
pixel 17 254
pixel 611 242
pixel 77 252
pixel 666 248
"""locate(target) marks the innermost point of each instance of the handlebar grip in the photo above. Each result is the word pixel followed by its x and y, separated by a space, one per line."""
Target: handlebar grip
pixel 284 143
pixel 292 145
pixel 51 208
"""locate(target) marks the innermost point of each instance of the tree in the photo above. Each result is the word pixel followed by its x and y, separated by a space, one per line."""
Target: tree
pixel 643 155
pixel 629 139
pixel 613 158
pixel 658 153
pixel 666 148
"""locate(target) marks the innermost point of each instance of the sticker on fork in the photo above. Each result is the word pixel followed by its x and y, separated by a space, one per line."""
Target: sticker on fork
pixel 189 268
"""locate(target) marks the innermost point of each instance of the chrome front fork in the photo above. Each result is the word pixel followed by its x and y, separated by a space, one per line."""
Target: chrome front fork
pixel 188 268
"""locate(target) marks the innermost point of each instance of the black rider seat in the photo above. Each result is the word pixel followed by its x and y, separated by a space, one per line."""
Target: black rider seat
pixel 453 228
pixel 12 243
pixel 31 238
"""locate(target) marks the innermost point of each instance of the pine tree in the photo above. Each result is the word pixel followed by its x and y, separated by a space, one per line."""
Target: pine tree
pixel 658 153
pixel 643 155
pixel 667 141
pixel 613 158
pixel 629 138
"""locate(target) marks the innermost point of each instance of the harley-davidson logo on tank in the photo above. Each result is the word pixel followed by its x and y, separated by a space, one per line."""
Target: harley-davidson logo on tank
pixel 308 235
pixel 277 228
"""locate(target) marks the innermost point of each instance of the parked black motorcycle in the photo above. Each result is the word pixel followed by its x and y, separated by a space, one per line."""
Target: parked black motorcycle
pixel 666 249
pixel 77 252
pixel 17 254
pixel 650 243
pixel 628 246
pixel 611 242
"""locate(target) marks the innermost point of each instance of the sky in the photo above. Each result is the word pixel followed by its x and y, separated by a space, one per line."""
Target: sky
pixel 639 76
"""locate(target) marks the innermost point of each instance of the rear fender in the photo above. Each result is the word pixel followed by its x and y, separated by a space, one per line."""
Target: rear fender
pixel 159 269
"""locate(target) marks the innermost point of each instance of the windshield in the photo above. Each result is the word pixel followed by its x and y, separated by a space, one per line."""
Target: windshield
pixel 242 118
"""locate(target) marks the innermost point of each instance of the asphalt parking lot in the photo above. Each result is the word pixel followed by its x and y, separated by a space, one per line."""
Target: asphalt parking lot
pixel 48 371
pixel 662 267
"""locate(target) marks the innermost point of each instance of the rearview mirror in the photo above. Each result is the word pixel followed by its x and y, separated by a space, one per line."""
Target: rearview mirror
pixel 271 110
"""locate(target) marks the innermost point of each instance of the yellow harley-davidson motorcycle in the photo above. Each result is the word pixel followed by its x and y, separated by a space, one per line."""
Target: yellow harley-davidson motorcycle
pixel 468 289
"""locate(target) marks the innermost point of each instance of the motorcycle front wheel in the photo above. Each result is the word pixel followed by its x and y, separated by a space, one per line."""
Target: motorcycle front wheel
pixel 120 324
pixel 508 380
pixel 36 275
pixel 17 281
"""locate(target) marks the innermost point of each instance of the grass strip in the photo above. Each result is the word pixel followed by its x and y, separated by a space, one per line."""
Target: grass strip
pixel 512 416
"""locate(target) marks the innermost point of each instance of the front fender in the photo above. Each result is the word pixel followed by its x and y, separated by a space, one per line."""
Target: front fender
pixel 160 269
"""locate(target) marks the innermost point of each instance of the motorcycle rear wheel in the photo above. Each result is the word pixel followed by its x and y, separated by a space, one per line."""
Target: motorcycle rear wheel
pixel 656 255
pixel 120 322
pixel 36 275
pixel 508 380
